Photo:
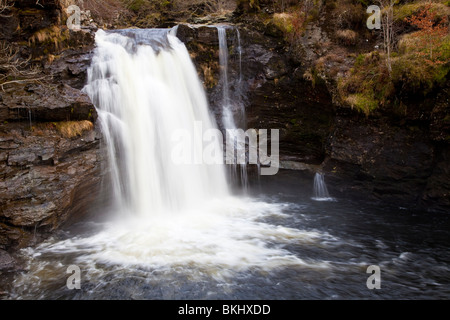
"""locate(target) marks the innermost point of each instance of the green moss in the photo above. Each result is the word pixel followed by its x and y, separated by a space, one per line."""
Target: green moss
pixel 148 12
pixel 365 3
pixel 407 10
pixel 359 60
pixel 136 5
pixel 362 102
pixel 416 73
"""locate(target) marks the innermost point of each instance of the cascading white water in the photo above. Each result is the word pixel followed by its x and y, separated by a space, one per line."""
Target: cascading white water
pixel 320 188
pixel 232 106
pixel 145 88
pixel 227 112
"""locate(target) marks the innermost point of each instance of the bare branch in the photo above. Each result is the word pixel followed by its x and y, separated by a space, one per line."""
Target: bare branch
pixel 23 81
pixel 16 70
pixel 4 6
pixel 387 22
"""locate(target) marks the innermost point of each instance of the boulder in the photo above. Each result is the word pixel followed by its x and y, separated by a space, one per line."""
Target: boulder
pixel 6 261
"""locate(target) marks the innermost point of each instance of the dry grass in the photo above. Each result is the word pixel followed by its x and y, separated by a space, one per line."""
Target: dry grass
pixel 54 35
pixel 72 129
pixel 408 42
pixel 347 37
pixel 208 76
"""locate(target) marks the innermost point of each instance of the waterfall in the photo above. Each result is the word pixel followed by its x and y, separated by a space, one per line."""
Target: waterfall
pixel 145 87
pixel 320 188
pixel 172 224
pixel 233 113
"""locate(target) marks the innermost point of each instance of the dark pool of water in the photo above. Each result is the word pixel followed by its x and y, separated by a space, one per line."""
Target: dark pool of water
pixel 410 248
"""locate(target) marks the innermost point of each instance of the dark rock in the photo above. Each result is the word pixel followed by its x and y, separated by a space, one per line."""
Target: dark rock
pixel 185 33
pixel 437 190
pixel 46 103
pixel 440 117
pixel 45 179
pixel 71 67
pixel 207 35
pixel 26 17
pixel 9 24
pixel 273 31
pixel 376 158
pixel 280 99
pixel 6 261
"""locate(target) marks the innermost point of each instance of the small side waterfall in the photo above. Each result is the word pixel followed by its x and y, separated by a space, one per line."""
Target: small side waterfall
pixel 233 112
pixel 320 188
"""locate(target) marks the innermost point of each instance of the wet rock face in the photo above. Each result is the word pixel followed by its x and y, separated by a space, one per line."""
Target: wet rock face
pixel 395 162
pixel 23 18
pixel 279 98
pixel 41 174
pixel 389 161
pixel 6 261
pixel 437 190
pixel 270 85
pixel 71 67
pixel 50 102
pixel 50 155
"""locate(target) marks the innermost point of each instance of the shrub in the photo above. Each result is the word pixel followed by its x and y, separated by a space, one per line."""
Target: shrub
pixel 347 37
pixel 349 15
pixel 408 10
pixel 367 85
pixel 412 72
pixel 283 21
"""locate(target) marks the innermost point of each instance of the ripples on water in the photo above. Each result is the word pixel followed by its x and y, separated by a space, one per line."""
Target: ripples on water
pixel 275 243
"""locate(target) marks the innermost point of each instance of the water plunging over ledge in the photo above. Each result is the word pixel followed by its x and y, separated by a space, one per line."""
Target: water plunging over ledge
pixel 177 232
pixel 233 110
pixel 320 188
pixel 143 96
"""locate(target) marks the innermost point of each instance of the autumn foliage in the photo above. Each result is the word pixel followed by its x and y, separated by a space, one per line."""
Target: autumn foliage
pixel 430 35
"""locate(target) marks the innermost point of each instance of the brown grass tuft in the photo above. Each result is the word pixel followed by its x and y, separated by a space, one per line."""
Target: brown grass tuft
pixel 347 37
pixel 72 129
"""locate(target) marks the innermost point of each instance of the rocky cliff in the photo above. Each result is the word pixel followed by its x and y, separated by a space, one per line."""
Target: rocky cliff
pixel 50 154
pixel 397 158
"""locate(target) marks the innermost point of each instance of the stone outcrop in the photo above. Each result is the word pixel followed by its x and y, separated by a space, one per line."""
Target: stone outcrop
pixel 46 103
pixel 50 155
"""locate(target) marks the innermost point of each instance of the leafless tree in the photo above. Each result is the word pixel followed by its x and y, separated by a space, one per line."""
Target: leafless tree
pixel 387 25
